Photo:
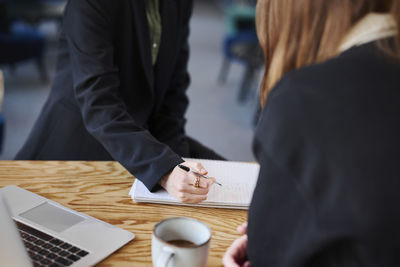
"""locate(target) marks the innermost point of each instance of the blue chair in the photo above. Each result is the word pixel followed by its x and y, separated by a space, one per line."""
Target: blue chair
pixel 242 48
pixel 20 42
pixel 23 43
pixel 241 45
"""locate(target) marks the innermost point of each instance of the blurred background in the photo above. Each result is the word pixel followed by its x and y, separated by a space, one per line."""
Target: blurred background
pixel 225 66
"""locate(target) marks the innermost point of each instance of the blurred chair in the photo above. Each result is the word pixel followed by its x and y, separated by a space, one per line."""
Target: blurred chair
pixel 23 43
pixel 1 114
pixel 240 45
pixel 35 11
pixel 20 42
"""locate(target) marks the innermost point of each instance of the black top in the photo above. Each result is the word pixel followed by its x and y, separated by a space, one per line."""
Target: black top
pixel 107 102
pixel 328 143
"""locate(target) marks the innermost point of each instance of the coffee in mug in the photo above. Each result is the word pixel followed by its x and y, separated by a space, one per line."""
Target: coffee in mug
pixel 180 242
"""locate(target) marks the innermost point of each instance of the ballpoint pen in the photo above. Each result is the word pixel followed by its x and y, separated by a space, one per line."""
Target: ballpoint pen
pixel 187 169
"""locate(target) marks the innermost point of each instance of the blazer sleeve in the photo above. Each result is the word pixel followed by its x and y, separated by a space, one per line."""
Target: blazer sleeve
pixel 169 122
pixel 89 31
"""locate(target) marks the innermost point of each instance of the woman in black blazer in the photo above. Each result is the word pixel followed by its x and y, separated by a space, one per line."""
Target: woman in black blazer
pixel 108 100
pixel 328 140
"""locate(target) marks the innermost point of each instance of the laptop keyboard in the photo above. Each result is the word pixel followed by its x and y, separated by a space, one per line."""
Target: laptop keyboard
pixel 45 250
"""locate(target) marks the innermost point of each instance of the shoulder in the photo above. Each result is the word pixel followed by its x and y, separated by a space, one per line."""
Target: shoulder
pixel 358 68
pixel 365 62
pixel 307 88
pixel 307 102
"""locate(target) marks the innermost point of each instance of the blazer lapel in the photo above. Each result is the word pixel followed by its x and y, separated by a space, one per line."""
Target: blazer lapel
pixel 143 37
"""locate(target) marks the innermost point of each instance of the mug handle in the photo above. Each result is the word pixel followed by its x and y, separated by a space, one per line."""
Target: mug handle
pixel 165 256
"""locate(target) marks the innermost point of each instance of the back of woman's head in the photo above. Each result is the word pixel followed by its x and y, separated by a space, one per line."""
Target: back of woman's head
pixel 296 33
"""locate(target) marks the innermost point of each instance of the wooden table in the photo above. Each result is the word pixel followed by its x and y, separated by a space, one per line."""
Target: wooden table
pixel 100 189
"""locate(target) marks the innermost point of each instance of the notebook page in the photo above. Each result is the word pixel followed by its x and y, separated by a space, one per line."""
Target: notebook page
pixel 238 180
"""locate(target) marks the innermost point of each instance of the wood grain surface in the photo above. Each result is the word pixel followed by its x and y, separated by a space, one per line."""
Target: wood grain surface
pixel 101 189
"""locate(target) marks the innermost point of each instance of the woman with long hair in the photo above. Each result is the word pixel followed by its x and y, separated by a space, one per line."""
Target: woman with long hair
pixel 328 138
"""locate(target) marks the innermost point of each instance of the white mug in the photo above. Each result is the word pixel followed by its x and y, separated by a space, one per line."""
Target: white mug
pixel 180 242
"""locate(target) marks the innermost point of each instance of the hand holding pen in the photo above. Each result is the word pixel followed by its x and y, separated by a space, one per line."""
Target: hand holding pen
pixel 187 169
pixel 188 186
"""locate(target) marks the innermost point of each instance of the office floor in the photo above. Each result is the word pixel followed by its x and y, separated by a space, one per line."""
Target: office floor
pixel 214 116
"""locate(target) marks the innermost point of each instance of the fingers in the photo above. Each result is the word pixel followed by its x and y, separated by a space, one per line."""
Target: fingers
pixel 190 194
pixel 196 166
pixel 203 182
pixel 190 179
pixel 229 261
pixel 240 246
pixel 189 187
pixel 206 183
pixel 210 181
pixel 199 168
pixel 235 256
pixel 180 183
pixel 242 229
pixel 190 198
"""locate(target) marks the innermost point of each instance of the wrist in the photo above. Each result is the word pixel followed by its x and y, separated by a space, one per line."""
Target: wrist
pixel 164 179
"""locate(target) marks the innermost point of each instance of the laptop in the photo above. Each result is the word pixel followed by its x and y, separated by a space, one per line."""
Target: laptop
pixel 36 231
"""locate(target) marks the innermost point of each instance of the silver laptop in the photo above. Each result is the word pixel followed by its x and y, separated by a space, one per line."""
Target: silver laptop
pixel 36 231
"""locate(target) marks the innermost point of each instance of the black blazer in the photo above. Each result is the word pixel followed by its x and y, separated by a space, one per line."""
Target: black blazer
pixel 329 148
pixel 107 101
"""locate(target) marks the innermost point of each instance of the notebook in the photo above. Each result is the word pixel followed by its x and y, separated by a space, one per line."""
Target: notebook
pixel 238 181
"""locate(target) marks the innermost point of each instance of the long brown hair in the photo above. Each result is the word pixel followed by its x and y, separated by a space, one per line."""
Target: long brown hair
pixel 296 33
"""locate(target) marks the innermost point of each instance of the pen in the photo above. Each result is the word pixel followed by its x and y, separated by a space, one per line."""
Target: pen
pixel 187 169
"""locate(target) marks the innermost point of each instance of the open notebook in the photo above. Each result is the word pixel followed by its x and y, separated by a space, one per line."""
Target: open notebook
pixel 238 180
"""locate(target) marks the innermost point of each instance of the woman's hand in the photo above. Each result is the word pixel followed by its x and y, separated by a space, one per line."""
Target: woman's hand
pixel 180 183
pixel 242 229
pixel 236 256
